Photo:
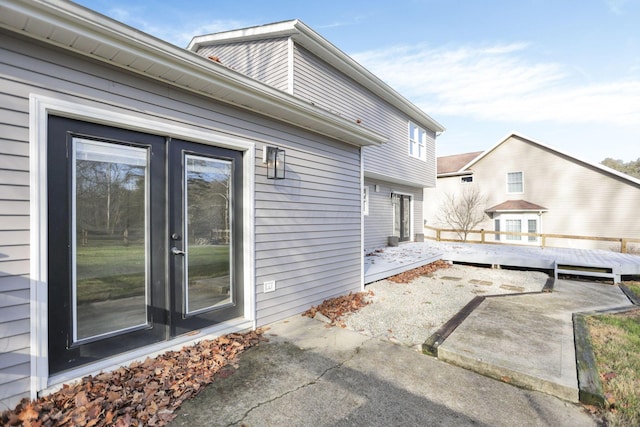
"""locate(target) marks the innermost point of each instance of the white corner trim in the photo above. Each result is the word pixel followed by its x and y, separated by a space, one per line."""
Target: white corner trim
pixel 290 65
pixel 38 243
pixel 40 107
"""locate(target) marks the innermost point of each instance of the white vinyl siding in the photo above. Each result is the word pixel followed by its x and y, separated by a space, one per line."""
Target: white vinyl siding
pixel 263 60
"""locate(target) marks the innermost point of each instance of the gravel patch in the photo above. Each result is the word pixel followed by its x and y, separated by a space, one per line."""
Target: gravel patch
pixel 410 313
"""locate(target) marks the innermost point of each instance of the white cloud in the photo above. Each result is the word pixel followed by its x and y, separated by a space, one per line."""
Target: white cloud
pixel 616 6
pixel 178 33
pixel 501 83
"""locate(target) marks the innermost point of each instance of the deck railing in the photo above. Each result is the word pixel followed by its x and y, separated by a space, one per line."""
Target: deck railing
pixel 624 244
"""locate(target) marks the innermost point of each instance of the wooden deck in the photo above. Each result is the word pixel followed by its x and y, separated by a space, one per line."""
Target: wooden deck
pixel 581 262
pixel 387 262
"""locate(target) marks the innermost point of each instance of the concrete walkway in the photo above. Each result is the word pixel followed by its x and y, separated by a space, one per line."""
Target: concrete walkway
pixel 528 340
pixel 311 375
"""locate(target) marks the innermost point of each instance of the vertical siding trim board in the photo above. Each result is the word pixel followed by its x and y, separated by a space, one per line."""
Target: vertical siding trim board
pixel 290 65
pixel 40 107
pixel 362 228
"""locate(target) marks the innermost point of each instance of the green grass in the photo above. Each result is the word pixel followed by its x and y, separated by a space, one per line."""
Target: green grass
pixel 616 344
pixel 114 272
pixel 635 287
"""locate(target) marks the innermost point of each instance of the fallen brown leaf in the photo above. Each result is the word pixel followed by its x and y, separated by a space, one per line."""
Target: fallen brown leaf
pixel 410 275
pixel 143 393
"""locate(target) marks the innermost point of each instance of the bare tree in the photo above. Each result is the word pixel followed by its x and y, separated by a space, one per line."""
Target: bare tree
pixel 462 213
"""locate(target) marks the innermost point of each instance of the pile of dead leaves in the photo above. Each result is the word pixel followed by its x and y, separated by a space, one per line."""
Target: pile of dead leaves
pixel 335 308
pixel 142 394
pixel 408 276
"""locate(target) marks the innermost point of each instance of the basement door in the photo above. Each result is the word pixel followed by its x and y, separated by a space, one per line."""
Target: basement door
pixel 143 239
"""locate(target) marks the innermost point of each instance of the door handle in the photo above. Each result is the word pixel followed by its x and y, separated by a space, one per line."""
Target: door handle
pixel 177 251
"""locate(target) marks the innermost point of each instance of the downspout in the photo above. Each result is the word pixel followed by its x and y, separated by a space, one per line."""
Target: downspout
pixel 361 220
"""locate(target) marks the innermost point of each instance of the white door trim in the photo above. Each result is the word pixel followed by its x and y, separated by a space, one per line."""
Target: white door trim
pixel 40 107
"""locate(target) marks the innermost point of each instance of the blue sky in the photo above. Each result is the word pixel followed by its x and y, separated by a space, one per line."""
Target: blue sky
pixel 563 72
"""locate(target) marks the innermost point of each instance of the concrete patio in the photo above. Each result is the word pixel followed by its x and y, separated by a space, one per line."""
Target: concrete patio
pixel 523 339
pixel 528 340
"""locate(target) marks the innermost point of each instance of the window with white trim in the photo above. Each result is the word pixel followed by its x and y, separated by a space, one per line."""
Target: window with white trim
pixel 417 142
pixel 532 227
pixel 466 179
pixel 515 182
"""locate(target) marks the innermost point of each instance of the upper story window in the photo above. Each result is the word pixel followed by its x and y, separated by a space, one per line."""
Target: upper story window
pixel 466 179
pixel 515 182
pixel 417 142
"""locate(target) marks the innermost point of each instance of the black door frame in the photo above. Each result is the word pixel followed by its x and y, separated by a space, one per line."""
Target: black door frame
pixel 180 322
pixel 164 319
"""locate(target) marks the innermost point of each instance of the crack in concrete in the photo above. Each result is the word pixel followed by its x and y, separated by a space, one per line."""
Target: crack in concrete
pixel 318 378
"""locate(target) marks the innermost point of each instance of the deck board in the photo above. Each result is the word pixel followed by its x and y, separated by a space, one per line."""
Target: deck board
pixel 394 260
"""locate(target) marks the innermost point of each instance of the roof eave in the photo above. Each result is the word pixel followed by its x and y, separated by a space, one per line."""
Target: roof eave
pixel 456 173
pixel 516 210
pixel 80 30
pixel 321 47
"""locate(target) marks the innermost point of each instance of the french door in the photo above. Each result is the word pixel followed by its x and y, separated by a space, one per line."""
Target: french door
pixel 143 239
pixel 402 217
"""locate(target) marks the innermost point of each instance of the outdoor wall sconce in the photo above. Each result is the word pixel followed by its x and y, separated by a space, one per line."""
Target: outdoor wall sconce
pixel 274 157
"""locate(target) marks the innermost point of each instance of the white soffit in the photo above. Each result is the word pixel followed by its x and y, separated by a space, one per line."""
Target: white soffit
pixel 80 30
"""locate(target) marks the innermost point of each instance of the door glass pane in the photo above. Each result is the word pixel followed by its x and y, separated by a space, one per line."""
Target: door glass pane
pixel 406 217
pixel 395 200
pixel 110 242
pixel 208 229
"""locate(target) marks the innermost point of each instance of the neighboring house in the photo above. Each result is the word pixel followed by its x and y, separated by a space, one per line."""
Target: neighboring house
pixel 293 58
pixel 533 188
pixel 137 214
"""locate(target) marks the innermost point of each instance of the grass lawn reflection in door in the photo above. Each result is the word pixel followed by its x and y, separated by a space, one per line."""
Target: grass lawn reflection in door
pixel 207 230
pixel 204 231
pixel 109 194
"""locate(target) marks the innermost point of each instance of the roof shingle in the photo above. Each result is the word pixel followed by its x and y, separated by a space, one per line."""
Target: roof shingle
pixel 450 164
pixel 516 206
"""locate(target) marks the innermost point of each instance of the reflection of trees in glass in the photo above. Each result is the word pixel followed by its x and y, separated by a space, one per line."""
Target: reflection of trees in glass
pixel 208 186
pixel 110 199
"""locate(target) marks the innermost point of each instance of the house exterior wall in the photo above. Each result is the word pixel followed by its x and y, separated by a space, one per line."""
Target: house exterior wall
pixel 378 222
pixel 581 199
pixel 314 80
pixel 389 165
pixel 326 87
pixel 434 198
pixel 263 60
pixel 307 227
